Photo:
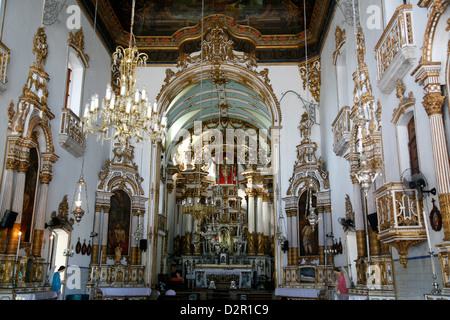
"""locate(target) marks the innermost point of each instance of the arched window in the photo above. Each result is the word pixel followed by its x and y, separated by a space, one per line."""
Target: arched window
pixel 412 147
pixel 407 143
pixel 342 79
pixel 74 83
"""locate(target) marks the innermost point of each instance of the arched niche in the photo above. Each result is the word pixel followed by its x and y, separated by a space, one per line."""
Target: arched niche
pixel 119 223
pixel 308 240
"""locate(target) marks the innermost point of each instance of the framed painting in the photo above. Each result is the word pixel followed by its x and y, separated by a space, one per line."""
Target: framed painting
pixel 119 223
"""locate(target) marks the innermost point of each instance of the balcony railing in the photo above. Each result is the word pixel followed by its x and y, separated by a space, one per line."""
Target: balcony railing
pixel 396 49
pixel 341 128
pixel 71 136
pixel 400 221
pixel 4 62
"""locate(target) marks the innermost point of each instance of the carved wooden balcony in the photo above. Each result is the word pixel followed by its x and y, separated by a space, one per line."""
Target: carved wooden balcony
pixel 396 50
pixel 71 136
pixel 341 128
pixel 400 219
pixel 4 62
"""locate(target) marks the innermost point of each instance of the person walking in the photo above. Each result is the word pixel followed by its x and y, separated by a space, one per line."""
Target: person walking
pixel 56 282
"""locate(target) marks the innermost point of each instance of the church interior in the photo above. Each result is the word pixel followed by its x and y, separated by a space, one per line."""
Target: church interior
pixel 224 150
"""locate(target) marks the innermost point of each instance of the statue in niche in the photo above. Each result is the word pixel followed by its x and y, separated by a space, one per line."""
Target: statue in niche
pixel 307 239
pixel 309 236
pixel 118 254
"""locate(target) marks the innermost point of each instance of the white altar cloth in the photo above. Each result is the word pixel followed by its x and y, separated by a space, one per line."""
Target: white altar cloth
pixel 37 296
pixel 297 293
pixel 126 292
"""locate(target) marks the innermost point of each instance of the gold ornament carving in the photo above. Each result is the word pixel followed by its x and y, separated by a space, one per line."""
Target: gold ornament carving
pixel 76 41
pixel 314 73
pixel 444 202
pixel 340 36
pixel 405 102
pixel 433 103
pixel 40 48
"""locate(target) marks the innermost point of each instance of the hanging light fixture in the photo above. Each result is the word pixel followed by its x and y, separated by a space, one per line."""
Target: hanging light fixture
pixel 79 212
pixel 312 217
pixel 128 114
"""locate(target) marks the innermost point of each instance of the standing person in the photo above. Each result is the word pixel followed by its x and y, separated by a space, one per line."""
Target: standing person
pixel 56 281
pixel 341 287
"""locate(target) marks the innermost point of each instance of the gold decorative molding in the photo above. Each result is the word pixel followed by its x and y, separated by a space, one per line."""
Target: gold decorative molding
pixel 395 52
pixel 314 72
pixel 444 202
pixel 5 58
pixel 40 49
pixel 400 218
pixel 405 102
pixel 435 10
pixel 341 128
pixel 433 103
pixel 76 41
pixel 341 38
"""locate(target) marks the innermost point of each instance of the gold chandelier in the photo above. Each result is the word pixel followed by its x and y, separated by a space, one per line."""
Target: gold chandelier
pixel 128 114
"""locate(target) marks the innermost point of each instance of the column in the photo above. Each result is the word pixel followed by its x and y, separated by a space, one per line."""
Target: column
pixel 428 75
pixel 11 166
pixel 17 206
pixel 359 220
pixel 259 222
pixel 38 235
pixel 171 215
pixel 361 242
pixel 95 240
pixel 187 220
pixel 374 243
pixel 251 221
pixel 292 237
pixel 104 234
pixel 134 244
pixel 327 213
pixel 266 222
pixel 320 225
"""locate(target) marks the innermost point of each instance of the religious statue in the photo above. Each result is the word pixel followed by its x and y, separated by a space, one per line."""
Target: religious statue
pixel 118 252
pixel 307 237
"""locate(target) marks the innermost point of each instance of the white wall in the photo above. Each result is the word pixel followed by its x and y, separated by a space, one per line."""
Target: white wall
pixel 22 20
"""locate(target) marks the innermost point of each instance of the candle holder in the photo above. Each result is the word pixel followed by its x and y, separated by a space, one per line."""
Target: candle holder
pixel 68 252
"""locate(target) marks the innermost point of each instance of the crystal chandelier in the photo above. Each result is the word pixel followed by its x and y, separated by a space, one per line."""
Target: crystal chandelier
pixel 127 114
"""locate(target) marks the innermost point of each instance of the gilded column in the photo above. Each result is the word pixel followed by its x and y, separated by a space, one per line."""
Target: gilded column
pixel 38 234
pixel 251 220
pixel 321 214
pixel 428 75
pixel 327 213
pixel 187 220
pixel 134 244
pixel 292 237
pixel 359 221
pixel 374 242
pixel 104 234
pixel 95 240
pixel 11 165
pixel 17 206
